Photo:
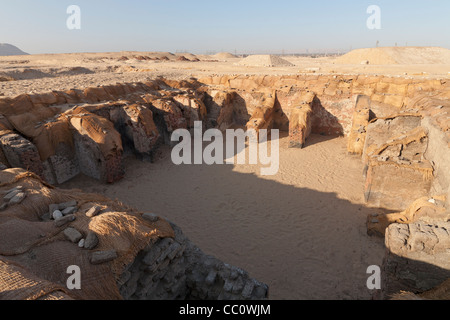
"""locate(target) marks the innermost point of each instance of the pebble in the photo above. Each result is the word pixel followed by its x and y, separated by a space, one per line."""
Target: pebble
pixel 92 212
pixel 81 243
pixel 57 215
pixel 11 194
pixel 18 198
pixel 64 220
pixel 52 208
pixel 100 257
pixel 46 217
pixel 91 240
pixel 65 205
pixel 69 210
pixel 13 189
pixel 73 235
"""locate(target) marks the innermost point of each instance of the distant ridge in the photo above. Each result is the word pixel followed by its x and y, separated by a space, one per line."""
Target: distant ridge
pixel 10 50
pixel 397 55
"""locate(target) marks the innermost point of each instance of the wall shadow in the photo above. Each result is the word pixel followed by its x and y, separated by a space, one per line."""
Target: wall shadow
pixel 304 243
pixel 409 275
pixel 323 122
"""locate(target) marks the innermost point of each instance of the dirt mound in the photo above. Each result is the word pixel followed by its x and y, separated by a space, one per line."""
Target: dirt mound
pixel 397 55
pixel 186 55
pixel 182 58
pixel 223 56
pixel 265 61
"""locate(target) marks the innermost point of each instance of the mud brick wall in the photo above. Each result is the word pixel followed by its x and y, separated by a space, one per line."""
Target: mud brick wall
pixel 63 165
pixel 336 93
pixel 89 157
pixel 177 269
pixel 113 168
pixel 21 153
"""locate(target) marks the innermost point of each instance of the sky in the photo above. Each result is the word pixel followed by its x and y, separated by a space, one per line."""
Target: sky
pixel 208 26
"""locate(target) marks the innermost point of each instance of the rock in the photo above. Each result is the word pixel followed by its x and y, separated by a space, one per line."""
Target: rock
pixel 91 240
pixel 4 206
pixel 65 205
pixel 18 198
pixel 211 278
pixel 81 243
pixel 64 220
pixel 13 189
pixel 150 217
pixel 46 217
pixel 417 256
pixel 52 208
pixel 92 212
pixel 11 194
pixel 57 215
pixel 248 289
pixel 365 62
pixel 69 210
pixel 100 257
pixel 73 235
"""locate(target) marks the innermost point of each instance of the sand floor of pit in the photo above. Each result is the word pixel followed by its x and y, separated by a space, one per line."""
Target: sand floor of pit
pixel 301 231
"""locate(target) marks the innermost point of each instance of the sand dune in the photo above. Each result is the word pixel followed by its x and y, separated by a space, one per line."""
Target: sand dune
pixel 397 55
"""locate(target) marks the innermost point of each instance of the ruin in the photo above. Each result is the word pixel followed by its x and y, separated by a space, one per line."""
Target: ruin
pixel 398 126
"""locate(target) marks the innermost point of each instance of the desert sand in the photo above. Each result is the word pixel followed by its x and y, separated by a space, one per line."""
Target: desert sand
pixel 301 231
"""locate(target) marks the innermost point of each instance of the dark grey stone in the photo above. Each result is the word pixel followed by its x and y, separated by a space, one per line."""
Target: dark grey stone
pixel 64 220
pixel 100 257
pixel 91 240
pixel 73 235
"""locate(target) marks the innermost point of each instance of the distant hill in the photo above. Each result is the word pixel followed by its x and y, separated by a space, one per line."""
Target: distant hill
pixel 10 50
pixel 397 55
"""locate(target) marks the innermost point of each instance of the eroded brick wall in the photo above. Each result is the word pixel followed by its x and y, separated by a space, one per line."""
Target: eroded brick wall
pixel 177 269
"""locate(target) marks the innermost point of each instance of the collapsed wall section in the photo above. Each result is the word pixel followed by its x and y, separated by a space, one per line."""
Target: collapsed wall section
pixel 175 269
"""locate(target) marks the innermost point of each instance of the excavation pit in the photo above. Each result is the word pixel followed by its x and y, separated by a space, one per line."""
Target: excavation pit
pixel 301 231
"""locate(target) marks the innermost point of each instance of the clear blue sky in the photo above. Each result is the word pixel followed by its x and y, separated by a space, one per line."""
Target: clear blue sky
pixel 198 26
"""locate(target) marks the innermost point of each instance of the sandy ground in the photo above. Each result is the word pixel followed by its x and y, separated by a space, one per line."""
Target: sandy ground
pixel 301 231
pixel 43 73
